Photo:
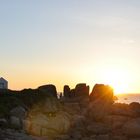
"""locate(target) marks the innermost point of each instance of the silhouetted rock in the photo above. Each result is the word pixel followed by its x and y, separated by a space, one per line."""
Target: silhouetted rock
pixel 131 110
pixel 101 100
pixel 103 92
pixel 134 105
pixel 72 93
pixel 66 91
pixel 48 90
pixel 135 108
pixel 81 90
pixel 120 109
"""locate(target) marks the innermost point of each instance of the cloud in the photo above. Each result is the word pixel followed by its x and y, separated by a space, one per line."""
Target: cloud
pixel 124 40
pixel 128 41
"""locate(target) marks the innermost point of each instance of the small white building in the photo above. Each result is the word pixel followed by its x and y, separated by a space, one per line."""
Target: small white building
pixel 3 83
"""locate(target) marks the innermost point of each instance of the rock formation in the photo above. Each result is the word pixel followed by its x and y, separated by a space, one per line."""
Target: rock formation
pixel 66 91
pixel 79 116
pixel 101 100
pixel 81 90
pixel 48 90
pixel 102 92
pixel 47 119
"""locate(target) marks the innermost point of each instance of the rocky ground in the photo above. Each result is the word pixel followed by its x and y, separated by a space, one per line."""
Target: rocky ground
pixel 76 117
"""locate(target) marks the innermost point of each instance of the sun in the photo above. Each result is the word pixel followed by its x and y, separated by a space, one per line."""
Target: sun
pixel 118 79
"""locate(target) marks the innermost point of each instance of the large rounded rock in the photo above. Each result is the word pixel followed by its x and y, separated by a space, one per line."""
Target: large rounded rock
pixel 47 119
pixel 132 128
pixel 49 125
pixel 103 92
pixel 48 90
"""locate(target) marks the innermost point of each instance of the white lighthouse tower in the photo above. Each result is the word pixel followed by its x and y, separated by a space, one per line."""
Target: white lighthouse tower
pixel 3 83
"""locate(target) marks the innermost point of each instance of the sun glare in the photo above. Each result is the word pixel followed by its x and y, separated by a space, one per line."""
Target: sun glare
pixel 118 79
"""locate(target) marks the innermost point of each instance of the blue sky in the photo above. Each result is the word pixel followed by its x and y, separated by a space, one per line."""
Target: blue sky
pixel 65 41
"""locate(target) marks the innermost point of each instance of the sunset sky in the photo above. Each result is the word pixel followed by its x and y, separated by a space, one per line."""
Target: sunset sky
pixel 70 41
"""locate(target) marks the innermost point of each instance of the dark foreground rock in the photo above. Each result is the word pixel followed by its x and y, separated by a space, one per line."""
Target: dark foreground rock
pixel 11 134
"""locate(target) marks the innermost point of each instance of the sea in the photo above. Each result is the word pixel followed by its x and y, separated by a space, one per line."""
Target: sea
pixel 128 98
